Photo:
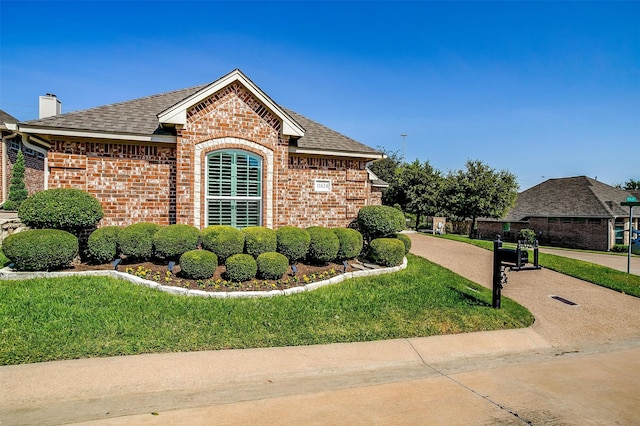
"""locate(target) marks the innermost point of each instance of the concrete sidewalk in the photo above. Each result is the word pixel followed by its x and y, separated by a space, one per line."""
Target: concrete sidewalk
pixel 577 365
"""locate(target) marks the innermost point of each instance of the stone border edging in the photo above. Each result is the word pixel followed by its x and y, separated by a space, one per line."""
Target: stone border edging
pixel 9 274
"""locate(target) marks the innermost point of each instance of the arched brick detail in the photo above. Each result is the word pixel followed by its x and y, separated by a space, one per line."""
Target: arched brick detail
pixel 204 148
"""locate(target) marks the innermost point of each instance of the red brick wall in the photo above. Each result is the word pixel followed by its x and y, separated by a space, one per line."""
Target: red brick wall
pixel 299 204
pixel 165 184
pixel 133 182
pixel 231 113
pixel 233 119
pixel 591 234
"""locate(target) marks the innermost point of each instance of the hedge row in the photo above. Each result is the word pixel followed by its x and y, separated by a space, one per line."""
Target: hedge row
pixel 270 251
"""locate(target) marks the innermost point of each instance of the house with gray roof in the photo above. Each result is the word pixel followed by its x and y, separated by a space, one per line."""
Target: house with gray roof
pixel 218 153
pixel 574 212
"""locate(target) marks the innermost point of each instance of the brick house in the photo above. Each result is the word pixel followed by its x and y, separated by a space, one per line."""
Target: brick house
pixel 575 212
pixel 220 153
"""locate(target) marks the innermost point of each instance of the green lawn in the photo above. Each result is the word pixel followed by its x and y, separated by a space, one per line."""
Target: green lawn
pixel 78 317
pixel 596 274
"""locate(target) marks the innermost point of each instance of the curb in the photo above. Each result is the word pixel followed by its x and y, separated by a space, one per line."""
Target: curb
pixel 9 274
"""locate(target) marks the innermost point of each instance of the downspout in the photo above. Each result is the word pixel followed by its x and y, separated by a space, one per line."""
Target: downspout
pixel 4 164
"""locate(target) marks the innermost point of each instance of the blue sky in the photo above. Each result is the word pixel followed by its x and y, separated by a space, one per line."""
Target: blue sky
pixel 542 89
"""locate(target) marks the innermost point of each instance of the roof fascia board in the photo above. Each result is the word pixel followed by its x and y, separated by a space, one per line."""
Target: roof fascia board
pixel 177 114
pixel 296 150
pixel 97 135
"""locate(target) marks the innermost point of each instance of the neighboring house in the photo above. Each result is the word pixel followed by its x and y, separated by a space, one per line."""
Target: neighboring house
pixel 34 157
pixel 220 153
pixel 574 212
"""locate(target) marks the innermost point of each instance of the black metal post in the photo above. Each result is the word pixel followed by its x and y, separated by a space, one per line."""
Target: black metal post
pixel 535 254
pixel 497 273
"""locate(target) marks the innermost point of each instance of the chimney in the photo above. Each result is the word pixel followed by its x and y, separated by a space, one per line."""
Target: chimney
pixel 49 106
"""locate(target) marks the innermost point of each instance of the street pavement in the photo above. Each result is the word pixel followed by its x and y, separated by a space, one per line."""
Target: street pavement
pixel 578 364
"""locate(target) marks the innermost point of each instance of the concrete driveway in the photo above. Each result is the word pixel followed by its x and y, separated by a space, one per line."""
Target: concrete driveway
pixel 577 365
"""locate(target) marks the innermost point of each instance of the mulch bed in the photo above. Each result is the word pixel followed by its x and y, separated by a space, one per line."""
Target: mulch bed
pixel 159 272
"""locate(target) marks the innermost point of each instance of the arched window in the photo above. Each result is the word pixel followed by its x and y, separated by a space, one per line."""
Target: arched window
pixel 234 189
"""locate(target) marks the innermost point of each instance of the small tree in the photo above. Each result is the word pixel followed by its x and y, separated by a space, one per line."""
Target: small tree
pixel 17 189
pixel 479 191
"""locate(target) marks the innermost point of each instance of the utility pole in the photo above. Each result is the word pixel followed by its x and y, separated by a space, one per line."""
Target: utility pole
pixel 404 147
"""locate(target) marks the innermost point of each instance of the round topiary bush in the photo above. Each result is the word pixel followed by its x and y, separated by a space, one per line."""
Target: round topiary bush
pixel 173 240
pixel 40 249
pixel 136 240
pixel 324 245
pixel 350 243
pixel 222 240
pixel 380 221
pixel 102 246
pixel 406 241
pixel 241 267
pixel 258 240
pixel 293 242
pixel 272 265
pixel 198 264
pixel 386 251
pixel 61 208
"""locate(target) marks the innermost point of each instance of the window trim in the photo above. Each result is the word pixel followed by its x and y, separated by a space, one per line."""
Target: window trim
pixel 198 170
pixel 234 198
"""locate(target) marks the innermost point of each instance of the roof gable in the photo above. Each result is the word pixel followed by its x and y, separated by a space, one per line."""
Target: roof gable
pixel 578 196
pixel 177 114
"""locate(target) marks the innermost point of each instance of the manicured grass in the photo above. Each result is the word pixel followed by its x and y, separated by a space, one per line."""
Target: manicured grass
pixel 596 274
pixel 78 317
pixel 4 260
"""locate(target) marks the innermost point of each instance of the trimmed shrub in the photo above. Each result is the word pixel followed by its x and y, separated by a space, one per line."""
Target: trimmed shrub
pixel 272 265
pixel 198 264
pixel 386 251
pixel 350 243
pixel 293 242
pixel 241 267
pixel 41 249
pixel 258 240
pixel 380 221
pixel 61 208
pixel 620 248
pixel 102 246
pixel 527 235
pixel 17 189
pixel 172 241
pixel 136 240
pixel 222 240
pixel 324 245
pixel 406 241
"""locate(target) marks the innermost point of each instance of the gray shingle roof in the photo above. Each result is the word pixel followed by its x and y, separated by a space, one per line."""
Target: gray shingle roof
pixel 318 136
pixel 578 196
pixel 139 117
pixel 6 118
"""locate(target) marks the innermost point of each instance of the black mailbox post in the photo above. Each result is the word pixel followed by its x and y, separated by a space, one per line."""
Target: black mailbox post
pixel 515 259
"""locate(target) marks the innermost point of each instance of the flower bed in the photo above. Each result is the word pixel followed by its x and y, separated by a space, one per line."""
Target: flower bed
pixel 160 273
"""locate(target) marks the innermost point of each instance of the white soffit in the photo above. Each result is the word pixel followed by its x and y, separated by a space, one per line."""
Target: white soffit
pixel 177 114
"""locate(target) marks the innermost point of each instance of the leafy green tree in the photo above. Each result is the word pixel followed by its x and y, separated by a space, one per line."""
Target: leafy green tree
pixel 417 188
pixel 631 184
pixel 17 189
pixel 479 191
pixel 385 169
